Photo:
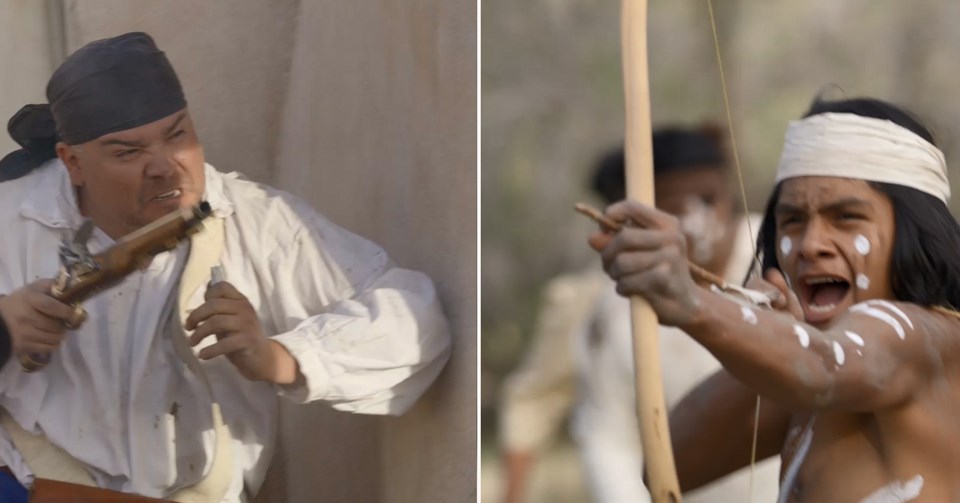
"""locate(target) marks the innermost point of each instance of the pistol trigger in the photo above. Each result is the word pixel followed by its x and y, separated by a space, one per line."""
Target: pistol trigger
pixel 84 233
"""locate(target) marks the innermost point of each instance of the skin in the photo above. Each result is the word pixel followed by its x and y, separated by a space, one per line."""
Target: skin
pixel 709 185
pixel 118 178
pixel 888 413
pixel 706 183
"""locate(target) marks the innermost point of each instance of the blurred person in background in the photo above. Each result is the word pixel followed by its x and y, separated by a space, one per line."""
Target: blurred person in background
pixel 538 395
pixel 581 357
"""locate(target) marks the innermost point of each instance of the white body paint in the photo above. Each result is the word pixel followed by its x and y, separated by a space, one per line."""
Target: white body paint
pixel 897 492
pixel 854 337
pixel 882 316
pixel 802 335
pixel 893 309
pixel 838 353
pixel 862 244
pixel 863 282
pixel 748 315
pixel 786 245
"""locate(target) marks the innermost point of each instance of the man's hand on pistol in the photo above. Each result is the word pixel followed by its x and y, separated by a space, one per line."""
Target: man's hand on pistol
pixel 36 321
pixel 229 316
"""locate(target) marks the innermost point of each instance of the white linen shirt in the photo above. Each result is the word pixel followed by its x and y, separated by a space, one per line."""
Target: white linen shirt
pixel 368 337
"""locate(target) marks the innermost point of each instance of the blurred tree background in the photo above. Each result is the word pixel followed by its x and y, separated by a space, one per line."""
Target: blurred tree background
pixel 552 102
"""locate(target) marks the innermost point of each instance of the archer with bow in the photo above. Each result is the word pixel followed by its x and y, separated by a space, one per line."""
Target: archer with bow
pixel 857 361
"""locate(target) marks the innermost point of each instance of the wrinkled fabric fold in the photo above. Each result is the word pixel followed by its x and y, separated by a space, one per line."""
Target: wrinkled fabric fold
pixel 34 129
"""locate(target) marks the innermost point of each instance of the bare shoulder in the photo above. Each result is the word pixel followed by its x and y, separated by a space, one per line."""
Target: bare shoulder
pixel 905 324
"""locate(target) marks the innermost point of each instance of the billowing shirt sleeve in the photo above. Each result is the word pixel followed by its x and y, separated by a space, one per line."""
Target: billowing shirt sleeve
pixel 369 337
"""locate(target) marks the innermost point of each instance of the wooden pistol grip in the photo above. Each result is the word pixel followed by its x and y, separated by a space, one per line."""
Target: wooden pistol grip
pixel 54 491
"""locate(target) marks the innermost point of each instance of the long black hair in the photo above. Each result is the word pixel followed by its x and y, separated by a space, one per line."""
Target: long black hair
pixel 925 263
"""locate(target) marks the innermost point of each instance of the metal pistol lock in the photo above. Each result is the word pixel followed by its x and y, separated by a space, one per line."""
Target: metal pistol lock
pixel 76 263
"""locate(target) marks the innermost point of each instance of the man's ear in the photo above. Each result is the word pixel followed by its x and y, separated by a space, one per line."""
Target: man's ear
pixel 68 155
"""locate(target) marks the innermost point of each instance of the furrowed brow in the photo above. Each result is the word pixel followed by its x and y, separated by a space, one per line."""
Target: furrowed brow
pixel 787 209
pixel 175 124
pixel 122 143
pixel 846 204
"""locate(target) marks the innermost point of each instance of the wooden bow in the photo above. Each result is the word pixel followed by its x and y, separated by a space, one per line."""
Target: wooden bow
pixel 651 407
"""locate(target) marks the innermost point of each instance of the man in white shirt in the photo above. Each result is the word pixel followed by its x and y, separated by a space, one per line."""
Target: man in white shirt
pixel 304 309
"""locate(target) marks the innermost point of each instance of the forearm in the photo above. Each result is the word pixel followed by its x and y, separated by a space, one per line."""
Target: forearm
pixel 779 357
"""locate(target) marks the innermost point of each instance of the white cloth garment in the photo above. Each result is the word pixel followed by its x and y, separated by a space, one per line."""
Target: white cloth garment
pixel 605 424
pixel 863 148
pixel 539 394
pixel 368 337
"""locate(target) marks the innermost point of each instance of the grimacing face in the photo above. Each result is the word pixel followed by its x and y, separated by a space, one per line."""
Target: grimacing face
pixel 128 179
pixel 834 243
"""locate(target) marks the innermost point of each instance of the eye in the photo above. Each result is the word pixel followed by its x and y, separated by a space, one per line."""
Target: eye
pixel 848 216
pixel 178 134
pixel 788 220
pixel 125 155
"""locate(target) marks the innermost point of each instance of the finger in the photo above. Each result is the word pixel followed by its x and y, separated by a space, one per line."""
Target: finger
pixel 44 323
pixel 636 240
pixel 210 308
pixel 599 240
pixel 219 324
pixel 36 347
pixel 223 290
pixel 776 278
pixel 79 316
pixel 642 284
pixel 630 263
pixel 42 338
pixel 223 347
pixel 49 306
pixel 641 214
pixel 42 285
pixel 777 299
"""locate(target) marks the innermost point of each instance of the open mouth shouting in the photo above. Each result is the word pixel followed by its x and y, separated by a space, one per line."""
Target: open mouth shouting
pixel 822 296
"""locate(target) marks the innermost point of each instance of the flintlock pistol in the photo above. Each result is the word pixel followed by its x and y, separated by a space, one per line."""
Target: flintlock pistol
pixel 82 274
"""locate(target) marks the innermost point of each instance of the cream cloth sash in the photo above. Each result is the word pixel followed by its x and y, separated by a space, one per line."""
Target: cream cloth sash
pixel 49 461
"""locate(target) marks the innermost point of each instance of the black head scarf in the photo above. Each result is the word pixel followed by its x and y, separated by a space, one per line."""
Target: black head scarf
pixel 106 86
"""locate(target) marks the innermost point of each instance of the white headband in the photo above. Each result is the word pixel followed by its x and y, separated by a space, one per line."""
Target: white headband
pixel 851 146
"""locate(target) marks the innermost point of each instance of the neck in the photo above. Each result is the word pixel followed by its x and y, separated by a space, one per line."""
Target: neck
pixel 110 225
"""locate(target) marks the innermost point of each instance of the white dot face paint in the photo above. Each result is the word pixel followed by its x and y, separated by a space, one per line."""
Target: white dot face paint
pixel 863 282
pixel 748 315
pixel 862 244
pixel 854 337
pixel 802 335
pixel 838 353
pixel 786 245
